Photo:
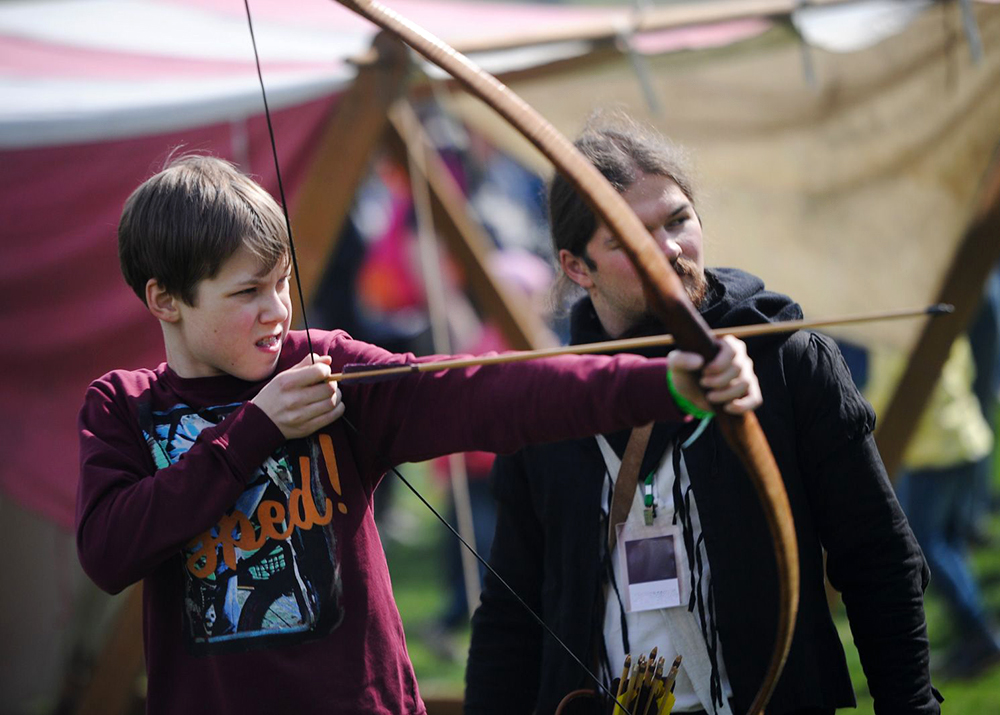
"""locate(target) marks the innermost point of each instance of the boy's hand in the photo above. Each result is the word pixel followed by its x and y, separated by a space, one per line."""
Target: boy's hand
pixel 300 400
pixel 728 382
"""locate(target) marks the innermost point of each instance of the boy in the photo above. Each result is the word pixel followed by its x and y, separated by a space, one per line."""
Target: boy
pixel 225 481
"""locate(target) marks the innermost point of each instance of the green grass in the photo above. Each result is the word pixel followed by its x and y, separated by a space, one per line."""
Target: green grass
pixel 981 695
pixel 419 584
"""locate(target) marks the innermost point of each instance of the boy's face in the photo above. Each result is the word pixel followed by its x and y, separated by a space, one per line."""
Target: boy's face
pixel 238 323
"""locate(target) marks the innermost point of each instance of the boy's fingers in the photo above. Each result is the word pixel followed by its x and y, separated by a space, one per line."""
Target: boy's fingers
pixel 323 418
pixel 308 374
pixel 310 360
pixel 321 398
pixel 315 393
pixel 308 416
pixel 307 360
pixel 316 411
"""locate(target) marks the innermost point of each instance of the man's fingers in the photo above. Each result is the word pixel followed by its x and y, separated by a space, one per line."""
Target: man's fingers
pixel 721 379
pixel 724 358
pixel 750 401
pixel 732 392
pixel 680 360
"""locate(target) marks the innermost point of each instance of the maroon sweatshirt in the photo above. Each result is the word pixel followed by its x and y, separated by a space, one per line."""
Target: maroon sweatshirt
pixel 265 584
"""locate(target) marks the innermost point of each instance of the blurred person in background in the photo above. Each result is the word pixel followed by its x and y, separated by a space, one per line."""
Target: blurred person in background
pixel 530 277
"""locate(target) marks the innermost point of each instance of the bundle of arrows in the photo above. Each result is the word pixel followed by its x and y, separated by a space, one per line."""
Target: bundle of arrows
pixel 643 688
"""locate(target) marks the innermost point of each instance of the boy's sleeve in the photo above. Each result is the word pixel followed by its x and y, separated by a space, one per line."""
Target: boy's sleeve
pixel 130 517
pixel 501 408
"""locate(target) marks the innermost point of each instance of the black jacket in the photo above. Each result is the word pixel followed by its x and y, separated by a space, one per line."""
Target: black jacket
pixel 550 536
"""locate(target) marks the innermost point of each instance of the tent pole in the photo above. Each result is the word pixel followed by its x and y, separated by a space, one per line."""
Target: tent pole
pixel 342 158
pixel 467 242
pixel 963 284
pixel 437 308
pixel 112 686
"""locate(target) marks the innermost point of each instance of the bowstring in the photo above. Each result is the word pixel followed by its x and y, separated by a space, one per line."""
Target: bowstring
pixel 305 323
pixel 281 186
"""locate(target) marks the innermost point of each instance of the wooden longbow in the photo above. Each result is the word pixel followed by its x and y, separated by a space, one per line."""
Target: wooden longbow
pixel 664 292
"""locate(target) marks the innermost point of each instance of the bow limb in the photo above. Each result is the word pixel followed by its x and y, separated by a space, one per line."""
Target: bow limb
pixel 664 291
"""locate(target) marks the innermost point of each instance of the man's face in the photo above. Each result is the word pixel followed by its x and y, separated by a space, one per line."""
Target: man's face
pixel 611 280
pixel 238 323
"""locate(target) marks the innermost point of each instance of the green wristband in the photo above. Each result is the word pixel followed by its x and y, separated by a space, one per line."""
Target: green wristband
pixel 685 405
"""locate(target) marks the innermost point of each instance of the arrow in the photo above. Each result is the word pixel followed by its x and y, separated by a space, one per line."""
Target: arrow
pixel 367 373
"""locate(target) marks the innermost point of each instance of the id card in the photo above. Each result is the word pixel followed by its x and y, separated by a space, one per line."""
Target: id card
pixel 651 558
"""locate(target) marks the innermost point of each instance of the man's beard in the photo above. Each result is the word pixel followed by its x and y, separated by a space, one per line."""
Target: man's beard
pixel 693 279
pixel 696 287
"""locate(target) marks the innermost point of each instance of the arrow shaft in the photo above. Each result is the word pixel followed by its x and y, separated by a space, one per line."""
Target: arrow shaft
pixel 743 331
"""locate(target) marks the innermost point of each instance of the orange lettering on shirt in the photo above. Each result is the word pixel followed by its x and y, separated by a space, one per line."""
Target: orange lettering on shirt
pixel 326 444
pixel 301 504
pixel 207 551
pixel 270 515
pixel 237 532
pixel 246 541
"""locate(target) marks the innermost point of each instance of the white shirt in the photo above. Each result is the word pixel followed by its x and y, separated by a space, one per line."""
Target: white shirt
pixel 670 630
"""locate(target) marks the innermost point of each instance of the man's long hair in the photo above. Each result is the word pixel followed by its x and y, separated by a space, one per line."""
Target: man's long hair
pixel 620 148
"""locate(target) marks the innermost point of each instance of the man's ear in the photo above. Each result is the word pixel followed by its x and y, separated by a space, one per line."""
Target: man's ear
pixel 575 268
pixel 161 304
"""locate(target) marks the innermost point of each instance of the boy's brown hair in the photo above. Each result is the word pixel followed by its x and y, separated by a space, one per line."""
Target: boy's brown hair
pixel 182 224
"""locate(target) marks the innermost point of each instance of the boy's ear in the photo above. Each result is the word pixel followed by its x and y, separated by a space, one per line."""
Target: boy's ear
pixel 575 268
pixel 161 304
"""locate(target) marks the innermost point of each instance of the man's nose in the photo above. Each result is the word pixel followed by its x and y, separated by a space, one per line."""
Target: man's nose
pixel 671 249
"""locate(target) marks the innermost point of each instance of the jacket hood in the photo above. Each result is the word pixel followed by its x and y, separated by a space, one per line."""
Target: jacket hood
pixel 734 298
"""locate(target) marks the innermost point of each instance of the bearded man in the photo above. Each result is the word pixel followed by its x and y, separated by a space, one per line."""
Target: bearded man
pixel 713 598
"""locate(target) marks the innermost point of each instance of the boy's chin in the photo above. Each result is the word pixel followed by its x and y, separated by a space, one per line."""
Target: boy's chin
pixel 255 373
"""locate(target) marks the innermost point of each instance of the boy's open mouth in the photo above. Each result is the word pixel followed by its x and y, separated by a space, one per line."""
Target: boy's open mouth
pixel 271 341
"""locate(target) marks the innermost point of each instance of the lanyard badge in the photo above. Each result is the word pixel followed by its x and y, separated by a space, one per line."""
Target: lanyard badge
pixel 651 559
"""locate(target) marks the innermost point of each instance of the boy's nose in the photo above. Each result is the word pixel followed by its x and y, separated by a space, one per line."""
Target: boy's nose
pixel 273 310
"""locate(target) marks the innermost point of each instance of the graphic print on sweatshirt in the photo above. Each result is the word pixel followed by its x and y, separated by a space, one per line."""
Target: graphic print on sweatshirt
pixel 267 572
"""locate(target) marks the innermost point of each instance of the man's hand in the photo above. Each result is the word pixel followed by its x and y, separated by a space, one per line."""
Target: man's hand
pixel 728 382
pixel 300 400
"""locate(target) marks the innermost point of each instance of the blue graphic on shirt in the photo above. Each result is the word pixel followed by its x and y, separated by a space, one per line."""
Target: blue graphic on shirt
pixel 267 571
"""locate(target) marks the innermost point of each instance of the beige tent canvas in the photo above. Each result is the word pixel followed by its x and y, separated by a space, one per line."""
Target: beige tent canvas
pixel 849 189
